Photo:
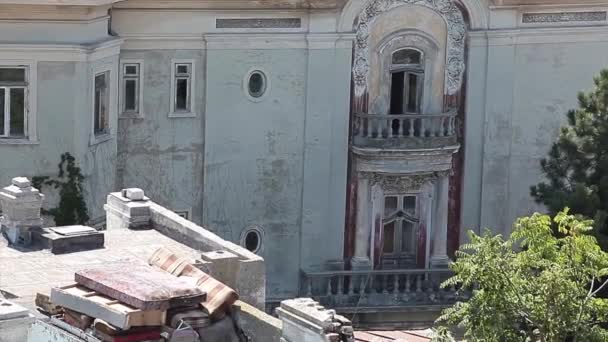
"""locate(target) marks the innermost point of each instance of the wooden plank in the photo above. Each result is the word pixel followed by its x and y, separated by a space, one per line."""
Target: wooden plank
pixel 141 286
pixel 120 315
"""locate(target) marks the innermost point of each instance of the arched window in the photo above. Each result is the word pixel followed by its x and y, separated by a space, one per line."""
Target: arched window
pixel 407 81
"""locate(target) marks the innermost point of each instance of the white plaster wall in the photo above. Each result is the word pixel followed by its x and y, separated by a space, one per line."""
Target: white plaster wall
pixel 515 107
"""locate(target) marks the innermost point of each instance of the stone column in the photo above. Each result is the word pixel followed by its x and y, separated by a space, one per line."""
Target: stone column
pixel 361 258
pixel 439 256
pixel 21 205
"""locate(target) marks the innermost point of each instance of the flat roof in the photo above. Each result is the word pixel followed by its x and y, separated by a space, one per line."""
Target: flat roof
pixel 25 272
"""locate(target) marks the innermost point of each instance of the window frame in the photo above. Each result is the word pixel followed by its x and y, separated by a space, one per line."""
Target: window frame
pixel 110 67
pixel 398 250
pixel 191 111
pixel 107 99
pixel 29 102
pixel 409 70
pixel 139 113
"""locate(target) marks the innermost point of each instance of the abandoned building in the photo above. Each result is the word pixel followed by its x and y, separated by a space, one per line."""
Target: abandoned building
pixel 338 139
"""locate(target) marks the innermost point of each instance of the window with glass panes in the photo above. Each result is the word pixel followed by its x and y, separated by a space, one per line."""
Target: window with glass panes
pixel 130 87
pixel 401 218
pixel 183 76
pixel 101 103
pixel 13 102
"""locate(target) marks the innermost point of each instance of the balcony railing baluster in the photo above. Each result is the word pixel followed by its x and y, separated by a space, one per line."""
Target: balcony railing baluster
pixel 380 287
pixel 391 128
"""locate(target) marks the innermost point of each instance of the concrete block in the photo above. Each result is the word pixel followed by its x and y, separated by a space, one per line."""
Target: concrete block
pixel 69 239
pixel 21 182
pixel 223 266
pixel 133 194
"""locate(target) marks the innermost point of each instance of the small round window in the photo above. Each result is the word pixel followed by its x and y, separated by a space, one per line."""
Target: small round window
pixel 256 85
pixel 252 239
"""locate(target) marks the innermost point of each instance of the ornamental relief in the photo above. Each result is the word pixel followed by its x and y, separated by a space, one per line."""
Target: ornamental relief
pixel 403 183
pixel 455 45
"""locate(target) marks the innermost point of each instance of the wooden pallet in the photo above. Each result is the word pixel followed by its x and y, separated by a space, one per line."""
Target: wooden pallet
pixel 84 300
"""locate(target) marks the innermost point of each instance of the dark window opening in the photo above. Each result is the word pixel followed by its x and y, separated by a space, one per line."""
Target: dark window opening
pixel 17 112
pixel 397 92
pixel 252 241
pixel 181 96
pixel 12 75
pixel 130 95
pixel 257 84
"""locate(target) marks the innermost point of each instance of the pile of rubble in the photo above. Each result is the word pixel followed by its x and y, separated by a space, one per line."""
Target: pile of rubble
pixel 168 300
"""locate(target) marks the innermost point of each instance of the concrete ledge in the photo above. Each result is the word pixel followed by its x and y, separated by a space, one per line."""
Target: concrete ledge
pixel 258 324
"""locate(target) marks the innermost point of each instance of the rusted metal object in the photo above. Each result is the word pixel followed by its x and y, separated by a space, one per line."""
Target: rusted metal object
pixel 141 286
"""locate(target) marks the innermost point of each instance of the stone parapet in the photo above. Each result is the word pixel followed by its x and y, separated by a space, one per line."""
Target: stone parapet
pixel 304 320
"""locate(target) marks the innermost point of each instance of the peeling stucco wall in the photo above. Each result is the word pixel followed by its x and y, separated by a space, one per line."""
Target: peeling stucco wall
pixel 160 154
pixel 515 107
pixel 253 155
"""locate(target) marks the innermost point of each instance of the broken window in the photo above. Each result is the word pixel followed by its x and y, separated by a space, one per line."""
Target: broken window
pixel 101 104
pixel 182 87
pixel 131 83
pixel 13 102
pixel 407 81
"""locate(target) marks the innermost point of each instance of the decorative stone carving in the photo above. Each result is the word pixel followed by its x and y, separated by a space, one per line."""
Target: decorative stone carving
pixel 455 47
pixel 402 183
pixel 561 17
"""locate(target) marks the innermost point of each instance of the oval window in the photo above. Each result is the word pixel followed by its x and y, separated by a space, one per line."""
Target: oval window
pixel 256 84
pixel 251 238
pixel 252 241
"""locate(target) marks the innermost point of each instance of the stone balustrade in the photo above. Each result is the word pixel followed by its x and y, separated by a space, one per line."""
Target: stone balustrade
pixel 379 287
pixel 404 131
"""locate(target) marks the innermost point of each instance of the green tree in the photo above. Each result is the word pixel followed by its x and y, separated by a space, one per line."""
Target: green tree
pixel 577 165
pixel 533 286
pixel 72 208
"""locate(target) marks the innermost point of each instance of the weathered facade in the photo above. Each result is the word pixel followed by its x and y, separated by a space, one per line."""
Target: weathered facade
pixel 325 135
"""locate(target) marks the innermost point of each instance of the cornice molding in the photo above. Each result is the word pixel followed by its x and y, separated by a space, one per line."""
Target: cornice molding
pixel 536 35
pixel 61 53
pixel 52 13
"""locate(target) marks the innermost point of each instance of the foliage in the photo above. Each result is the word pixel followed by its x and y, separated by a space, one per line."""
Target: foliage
pixel 533 286
pixel 72 208
pixel 577 164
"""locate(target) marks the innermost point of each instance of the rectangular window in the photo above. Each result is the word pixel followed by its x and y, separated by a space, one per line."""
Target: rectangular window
pixel 183 75
pixel 131 92
pixel 101 103
pixel 13 102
